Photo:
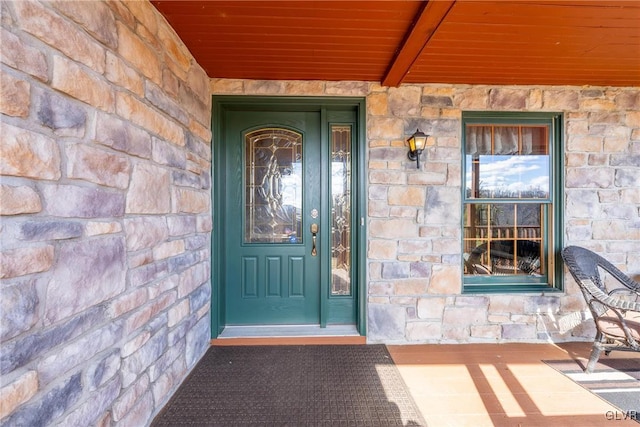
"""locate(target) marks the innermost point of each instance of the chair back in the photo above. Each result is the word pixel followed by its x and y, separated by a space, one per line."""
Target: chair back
pixel 584 264
pixel 613 312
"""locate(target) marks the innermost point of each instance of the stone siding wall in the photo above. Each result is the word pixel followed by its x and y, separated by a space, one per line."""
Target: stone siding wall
pixel 105 210
pixel 414 234
pixel 414 226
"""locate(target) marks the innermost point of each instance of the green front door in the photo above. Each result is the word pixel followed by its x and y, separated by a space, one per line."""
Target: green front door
pixel 289 234
pixel 272 217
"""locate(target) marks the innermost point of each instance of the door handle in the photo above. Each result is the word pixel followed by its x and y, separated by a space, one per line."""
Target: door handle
pixel 314 233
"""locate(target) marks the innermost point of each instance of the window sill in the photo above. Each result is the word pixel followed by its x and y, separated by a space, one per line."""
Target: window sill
pixel 510 289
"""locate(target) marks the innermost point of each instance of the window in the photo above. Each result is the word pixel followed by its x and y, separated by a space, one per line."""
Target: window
pixel 341 141
pixel 511 201
pixel 273 176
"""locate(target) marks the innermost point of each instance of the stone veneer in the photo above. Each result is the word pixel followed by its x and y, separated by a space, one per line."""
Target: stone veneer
pixel 414 234
pixel 105 210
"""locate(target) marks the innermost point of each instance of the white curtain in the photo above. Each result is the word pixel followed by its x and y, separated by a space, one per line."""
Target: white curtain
pixel 478 140
pixel 505 140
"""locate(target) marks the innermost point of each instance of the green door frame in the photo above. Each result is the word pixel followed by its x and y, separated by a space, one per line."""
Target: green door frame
pixel 222 104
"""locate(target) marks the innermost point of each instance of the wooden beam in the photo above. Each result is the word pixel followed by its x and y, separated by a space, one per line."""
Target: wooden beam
pixel 425 24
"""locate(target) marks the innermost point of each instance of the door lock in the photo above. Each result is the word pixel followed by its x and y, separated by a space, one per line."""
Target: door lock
pixel 314 233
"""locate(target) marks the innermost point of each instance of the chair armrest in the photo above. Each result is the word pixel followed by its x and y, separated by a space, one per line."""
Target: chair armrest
pixel 609 300
pixel 627 294
pixel 628 282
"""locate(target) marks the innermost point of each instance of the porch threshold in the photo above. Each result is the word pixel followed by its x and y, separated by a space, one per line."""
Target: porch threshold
pixel 289 335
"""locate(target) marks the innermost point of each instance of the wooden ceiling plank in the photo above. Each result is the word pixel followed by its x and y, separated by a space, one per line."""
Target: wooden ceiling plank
pixel 251 23
pixel 476 42
pixel 424 26
pixel 537 12
pixel 270 9
pixel 559 70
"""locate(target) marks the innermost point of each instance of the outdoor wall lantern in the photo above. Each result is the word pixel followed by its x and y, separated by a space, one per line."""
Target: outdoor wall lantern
pixel 417 142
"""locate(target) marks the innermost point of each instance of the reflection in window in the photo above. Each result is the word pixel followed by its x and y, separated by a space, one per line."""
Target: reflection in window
pixel 507 162
pixel 273 186
pixel 502 239
pixel 341 210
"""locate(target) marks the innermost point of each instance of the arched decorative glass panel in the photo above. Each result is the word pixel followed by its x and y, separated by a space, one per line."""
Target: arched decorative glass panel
pixel 273 186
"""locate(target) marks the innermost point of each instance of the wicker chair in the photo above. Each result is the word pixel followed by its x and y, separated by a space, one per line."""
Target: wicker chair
pixel 616 313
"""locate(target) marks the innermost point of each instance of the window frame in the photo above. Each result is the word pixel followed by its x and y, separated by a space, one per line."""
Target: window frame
pixel 552 221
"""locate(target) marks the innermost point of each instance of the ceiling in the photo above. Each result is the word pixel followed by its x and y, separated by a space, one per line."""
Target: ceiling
pixel 536 42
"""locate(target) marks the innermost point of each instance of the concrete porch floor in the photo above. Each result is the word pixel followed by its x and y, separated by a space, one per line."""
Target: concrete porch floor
pixel 501 385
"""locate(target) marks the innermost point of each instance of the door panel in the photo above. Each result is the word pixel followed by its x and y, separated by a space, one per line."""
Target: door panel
pixel 273 183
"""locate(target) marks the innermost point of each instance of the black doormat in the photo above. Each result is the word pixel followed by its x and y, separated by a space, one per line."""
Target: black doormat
pixel 616 380
pixel 332 385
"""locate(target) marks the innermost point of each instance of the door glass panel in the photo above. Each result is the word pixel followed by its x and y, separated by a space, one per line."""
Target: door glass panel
pixel 273 186
pixel 341 210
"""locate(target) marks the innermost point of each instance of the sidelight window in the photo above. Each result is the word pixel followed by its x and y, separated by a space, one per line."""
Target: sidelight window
pixel 341 137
